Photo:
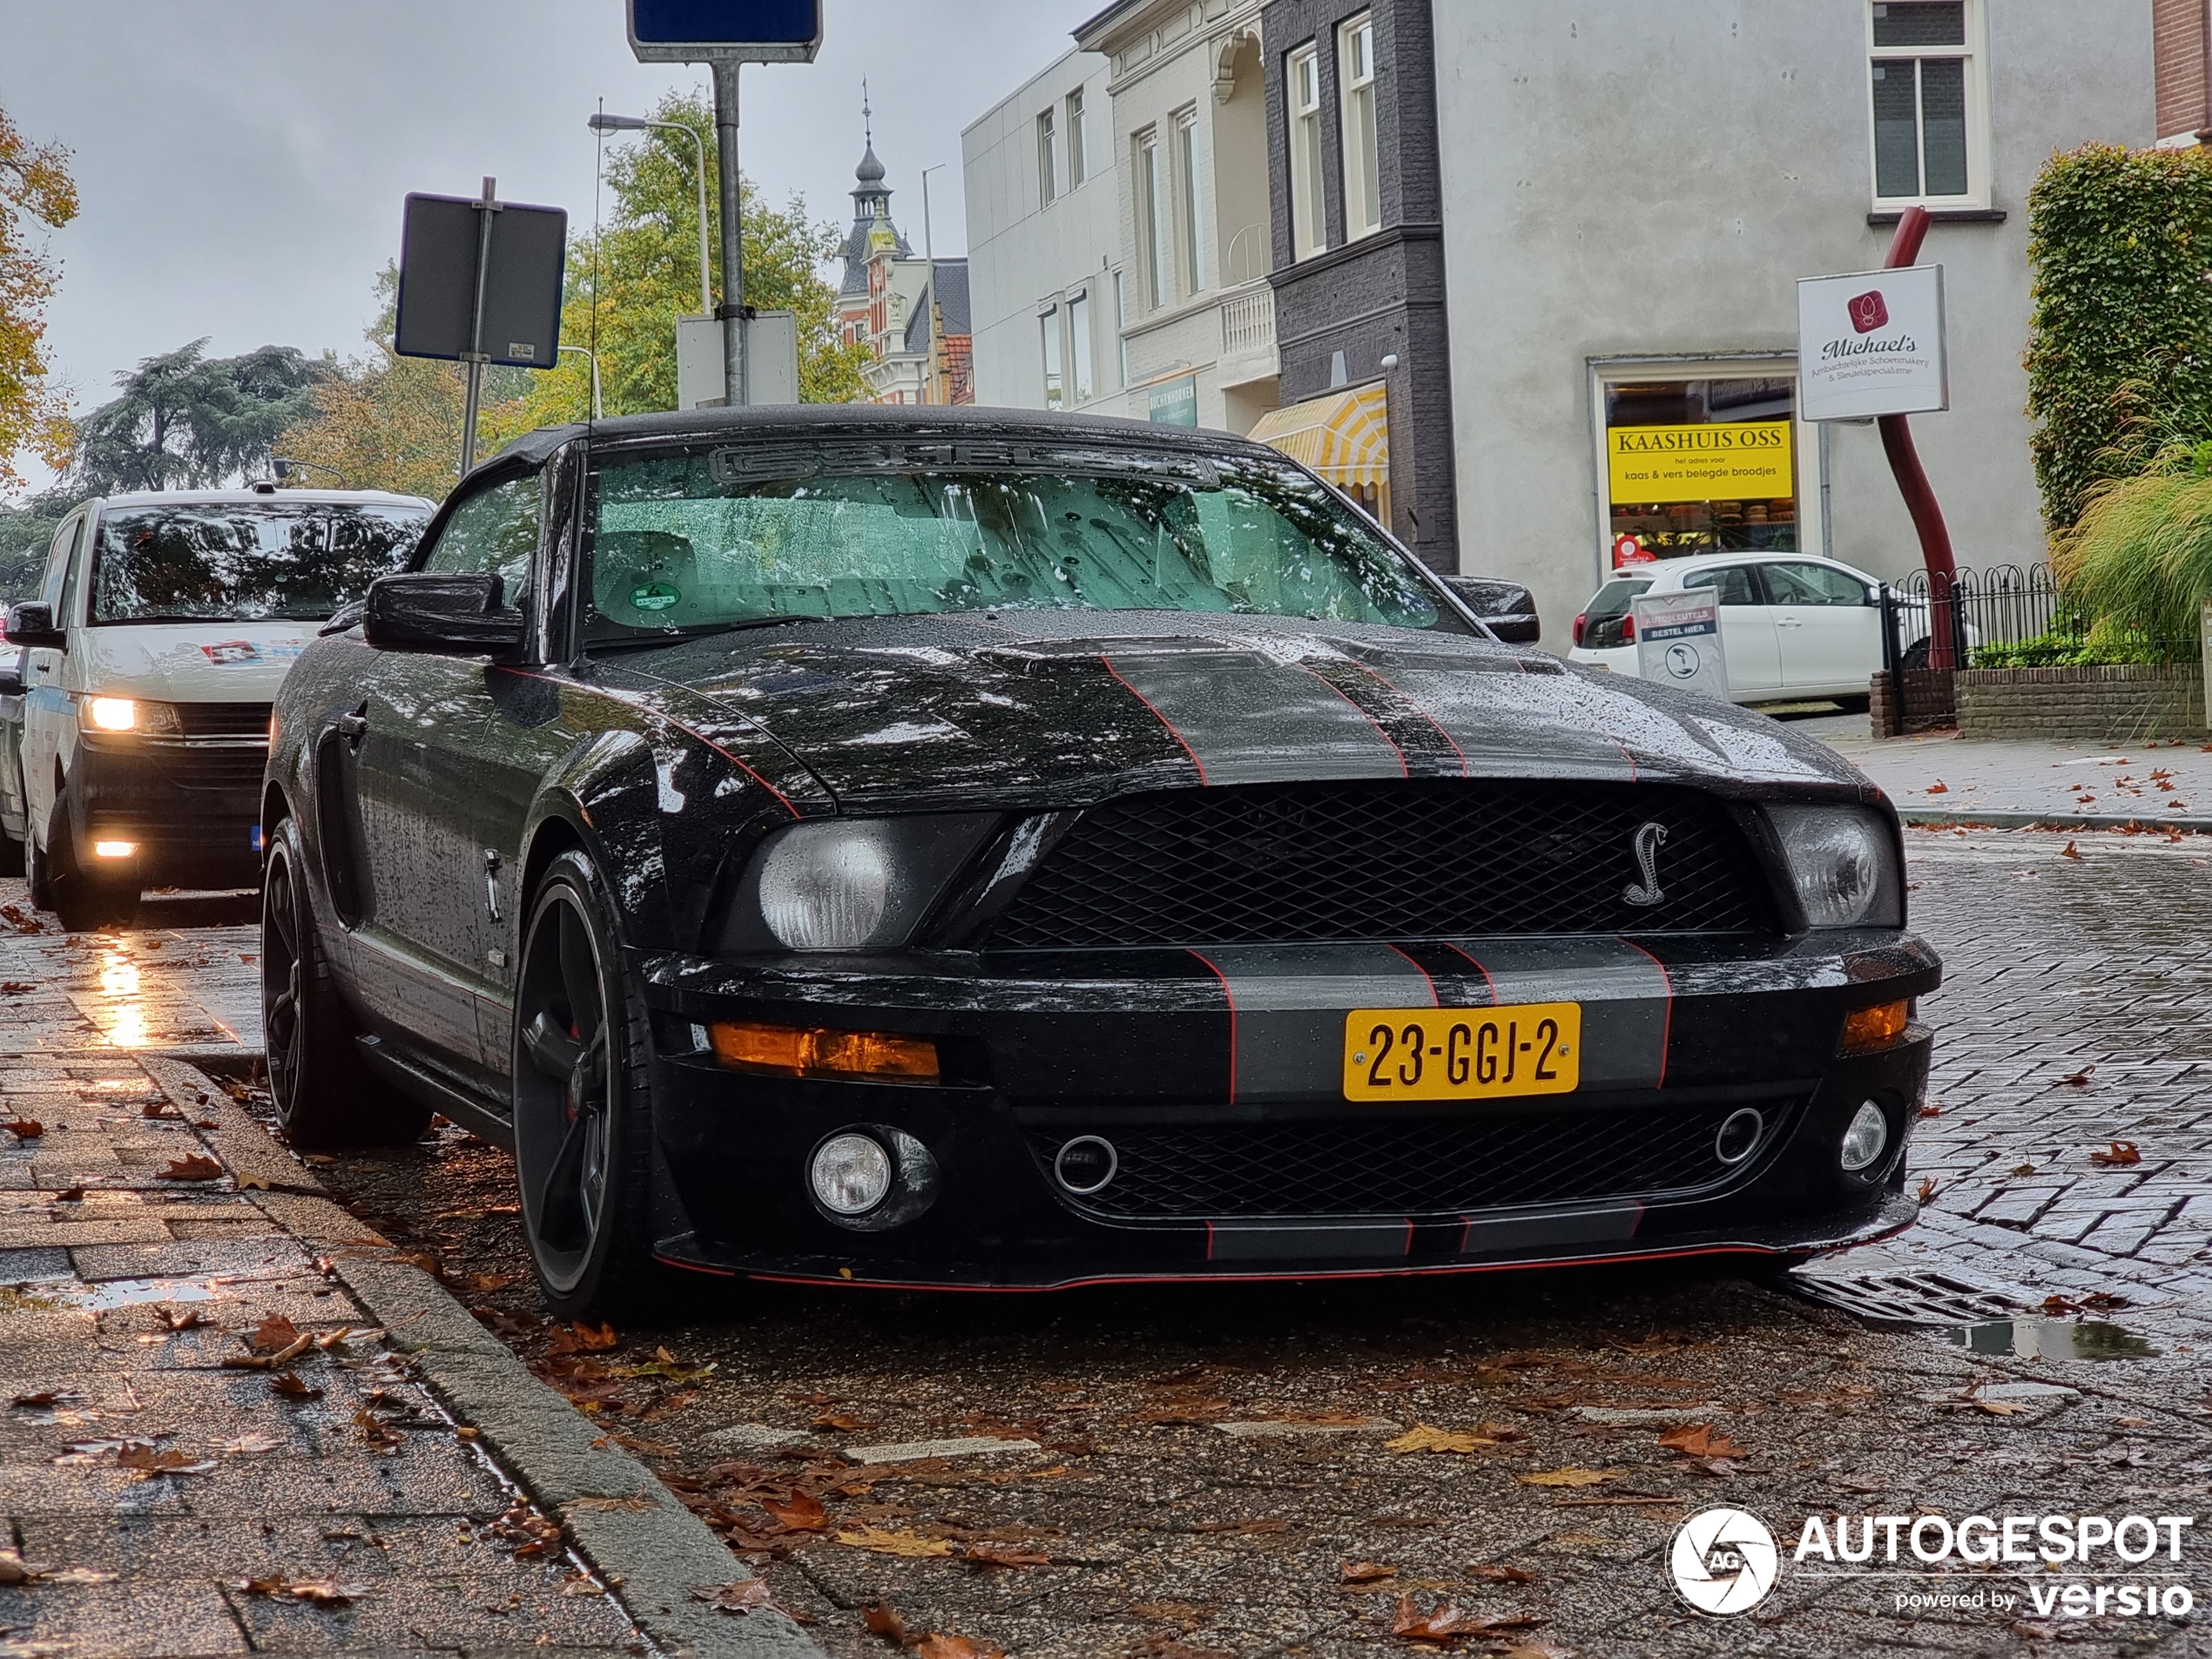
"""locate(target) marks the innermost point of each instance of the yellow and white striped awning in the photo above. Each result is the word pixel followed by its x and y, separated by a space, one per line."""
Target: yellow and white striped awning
pixel 1343 436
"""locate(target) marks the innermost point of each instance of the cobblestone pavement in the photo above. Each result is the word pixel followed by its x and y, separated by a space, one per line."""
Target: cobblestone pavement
pixel 157 1496
pixel 1218 1471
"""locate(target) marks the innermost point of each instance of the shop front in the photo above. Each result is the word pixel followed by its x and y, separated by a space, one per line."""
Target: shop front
pixel 1701 455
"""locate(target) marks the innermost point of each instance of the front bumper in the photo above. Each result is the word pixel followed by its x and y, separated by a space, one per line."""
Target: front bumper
pixel 1217 1078
pixel 192 805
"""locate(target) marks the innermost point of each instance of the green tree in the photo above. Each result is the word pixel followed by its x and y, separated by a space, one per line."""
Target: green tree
pixel 35 186
pixel 627 292
pixel 25 533
pixel 188 420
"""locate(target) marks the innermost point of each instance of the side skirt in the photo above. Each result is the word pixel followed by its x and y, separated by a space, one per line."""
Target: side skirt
pixel 463 1106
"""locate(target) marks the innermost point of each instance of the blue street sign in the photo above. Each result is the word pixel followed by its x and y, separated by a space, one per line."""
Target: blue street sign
pixel 761 31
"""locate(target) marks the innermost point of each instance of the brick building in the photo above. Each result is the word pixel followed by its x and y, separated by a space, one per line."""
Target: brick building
pixel 2181 39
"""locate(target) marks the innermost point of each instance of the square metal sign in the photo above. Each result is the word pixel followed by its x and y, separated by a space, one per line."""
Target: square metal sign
pixel 700 31
pixel 1871 343
pixel 438 249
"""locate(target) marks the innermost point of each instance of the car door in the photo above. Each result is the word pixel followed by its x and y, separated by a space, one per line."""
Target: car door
pixel 1828 629
pixel 1747 628
pixel 45 703
pixel 421 958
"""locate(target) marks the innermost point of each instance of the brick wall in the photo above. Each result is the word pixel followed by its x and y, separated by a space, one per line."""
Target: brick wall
pixel 2083 704
pixel 1930 701
pixel 2179 45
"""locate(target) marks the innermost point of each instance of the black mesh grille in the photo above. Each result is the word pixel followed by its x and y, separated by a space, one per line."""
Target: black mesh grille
pixel 224 719
pixel 1413 861
pixel 1407 1168
pixel 214 768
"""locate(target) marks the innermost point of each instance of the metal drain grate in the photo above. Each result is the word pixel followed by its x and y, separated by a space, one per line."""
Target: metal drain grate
pixel 1909 1298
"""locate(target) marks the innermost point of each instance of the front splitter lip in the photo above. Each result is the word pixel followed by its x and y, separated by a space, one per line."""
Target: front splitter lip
pixel 1895 1212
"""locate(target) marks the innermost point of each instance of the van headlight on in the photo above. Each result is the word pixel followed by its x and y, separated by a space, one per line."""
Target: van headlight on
pixel 1843 863
pixel 132 714
pixel 850 883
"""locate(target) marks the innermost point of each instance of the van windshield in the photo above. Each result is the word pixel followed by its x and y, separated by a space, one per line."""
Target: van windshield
pixel 245 561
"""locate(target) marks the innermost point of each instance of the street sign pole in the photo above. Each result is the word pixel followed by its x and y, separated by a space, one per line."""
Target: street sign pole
pixel 476 357
pixel 731 310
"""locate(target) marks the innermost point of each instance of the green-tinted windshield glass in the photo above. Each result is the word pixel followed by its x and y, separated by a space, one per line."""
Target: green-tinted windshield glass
pixel 675 548
pixel 245 561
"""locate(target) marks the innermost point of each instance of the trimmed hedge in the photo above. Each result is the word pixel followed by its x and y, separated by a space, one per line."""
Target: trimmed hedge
pixel 2120 342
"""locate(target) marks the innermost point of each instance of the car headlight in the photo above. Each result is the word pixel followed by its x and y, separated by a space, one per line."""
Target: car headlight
pixel 850 884
pixel 132 714
pixel 1841 862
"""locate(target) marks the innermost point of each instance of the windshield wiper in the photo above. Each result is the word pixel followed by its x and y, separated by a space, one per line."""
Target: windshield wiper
pixel 677 636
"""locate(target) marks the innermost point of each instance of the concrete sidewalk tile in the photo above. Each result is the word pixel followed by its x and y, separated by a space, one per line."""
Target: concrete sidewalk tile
pixel 467 1612
pixel 171 1619
pixel 179 1258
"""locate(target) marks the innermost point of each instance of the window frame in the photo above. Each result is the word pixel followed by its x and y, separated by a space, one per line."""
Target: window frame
pixel 1309 195
pixel 1975 53
pixel 1081 377
pixel 1189 264
pixel 1151 223
pixel 1048 344
pixel 537 472
pixel 1047 177
pixel 1359 141
pixel 1078 143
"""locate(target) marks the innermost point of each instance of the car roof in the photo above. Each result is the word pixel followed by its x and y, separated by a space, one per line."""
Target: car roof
pixel 1741 556
pixel 787 420
pixel 218 497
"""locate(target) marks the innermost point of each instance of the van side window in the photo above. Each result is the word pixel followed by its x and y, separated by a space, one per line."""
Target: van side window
pixel 58 560
pixel 494 531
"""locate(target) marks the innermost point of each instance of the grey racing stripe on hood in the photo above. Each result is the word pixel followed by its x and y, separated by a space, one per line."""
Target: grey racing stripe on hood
pixel 1247 718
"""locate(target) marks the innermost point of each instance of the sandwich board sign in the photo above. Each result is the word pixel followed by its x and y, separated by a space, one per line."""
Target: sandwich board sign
pixel 1678 641
pixel 701 31
pixel 1871 344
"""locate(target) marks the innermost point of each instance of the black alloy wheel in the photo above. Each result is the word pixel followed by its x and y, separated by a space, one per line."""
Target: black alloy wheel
pixel 322 1096
pixel 82 900
pixel 583 1112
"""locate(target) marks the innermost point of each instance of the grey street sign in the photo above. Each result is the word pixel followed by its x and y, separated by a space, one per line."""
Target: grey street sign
pixel 698 31
pixel 522 259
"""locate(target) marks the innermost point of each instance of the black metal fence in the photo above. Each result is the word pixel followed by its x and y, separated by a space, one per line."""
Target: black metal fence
pixel 2007 615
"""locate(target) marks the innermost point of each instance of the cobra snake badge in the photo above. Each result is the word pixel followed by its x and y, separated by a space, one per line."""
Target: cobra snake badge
pixel 1649 839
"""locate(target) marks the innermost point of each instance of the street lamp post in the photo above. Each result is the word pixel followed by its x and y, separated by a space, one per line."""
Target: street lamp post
pixel 605 123
pixel 592 358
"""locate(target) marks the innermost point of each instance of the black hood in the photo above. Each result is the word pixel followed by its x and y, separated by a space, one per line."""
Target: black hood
pixel 1067 707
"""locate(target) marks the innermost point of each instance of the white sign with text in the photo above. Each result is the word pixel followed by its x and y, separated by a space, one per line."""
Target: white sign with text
pixel 1871 344
pixel 1678 641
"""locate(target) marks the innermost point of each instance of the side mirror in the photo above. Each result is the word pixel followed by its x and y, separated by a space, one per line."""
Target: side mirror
pixel 32 623
pixel 433 610
pixel 1508 608
pixel 10 681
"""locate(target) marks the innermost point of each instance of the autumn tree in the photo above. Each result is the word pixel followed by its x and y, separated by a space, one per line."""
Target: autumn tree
pixel 35 190
pixel 627 291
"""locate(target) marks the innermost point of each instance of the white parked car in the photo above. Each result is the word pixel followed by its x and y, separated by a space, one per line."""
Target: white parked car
pixel 1793 627
pixel 149 661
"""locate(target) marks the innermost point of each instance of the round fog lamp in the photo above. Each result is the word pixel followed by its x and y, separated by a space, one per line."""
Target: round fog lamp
pixel 1867 1138
pixel 850 1173
pixel 1739 1135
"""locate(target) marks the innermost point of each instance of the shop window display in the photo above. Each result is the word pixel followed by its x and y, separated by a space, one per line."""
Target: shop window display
pixel 1701 466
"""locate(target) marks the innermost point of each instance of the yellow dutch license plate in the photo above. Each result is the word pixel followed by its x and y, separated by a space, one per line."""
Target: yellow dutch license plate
pixel 1462 1054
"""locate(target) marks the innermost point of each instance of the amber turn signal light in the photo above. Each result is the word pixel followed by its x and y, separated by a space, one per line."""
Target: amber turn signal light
pixel 1867 1029
pixel 800 1051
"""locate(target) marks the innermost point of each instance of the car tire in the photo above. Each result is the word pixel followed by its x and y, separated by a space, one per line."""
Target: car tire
pixel 13 854
pixel 82 901
pixel 583 1100
pixel 37 871
pixel 321 1096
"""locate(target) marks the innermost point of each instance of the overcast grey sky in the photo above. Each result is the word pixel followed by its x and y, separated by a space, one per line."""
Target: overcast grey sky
pixel 242 162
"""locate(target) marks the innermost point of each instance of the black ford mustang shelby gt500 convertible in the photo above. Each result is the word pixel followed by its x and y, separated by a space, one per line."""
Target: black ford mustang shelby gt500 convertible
pixel 965 849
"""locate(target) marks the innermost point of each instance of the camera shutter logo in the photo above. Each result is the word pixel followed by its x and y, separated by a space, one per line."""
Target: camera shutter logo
pixel 1724 1562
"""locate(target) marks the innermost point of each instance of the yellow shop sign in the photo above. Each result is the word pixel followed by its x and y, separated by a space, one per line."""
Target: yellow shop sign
pixel 1719 461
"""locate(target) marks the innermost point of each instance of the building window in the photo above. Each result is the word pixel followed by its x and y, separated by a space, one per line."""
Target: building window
pixel 1309 222
pixel 1186 202
pixel 1049 331
pixel 1151 221
pixel 1079 346
pixel 1930 120
pixel 1048 185
pixel 1121 322
pixel 1078 163
pixel 1700 466
pixel 1356 72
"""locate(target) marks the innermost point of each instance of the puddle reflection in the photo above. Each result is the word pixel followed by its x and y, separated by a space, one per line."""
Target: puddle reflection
pixel 2037 1338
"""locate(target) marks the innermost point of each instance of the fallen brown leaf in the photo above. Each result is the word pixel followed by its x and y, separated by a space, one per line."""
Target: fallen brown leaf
pixel 273 1333
pixel 1448 1622
pixel 15 1570
pixel 325 1593
pixel 2069 851
pixel 194 1166
pixel 742 1595
pixel 2079 1079
pixel 1366 1572
pixel 292 1385
pixel 2121 1152
pixel 23 1128
pixel 843 1421
pixel 252 1445
pixel 938 1645
pixel 2003 1407
pixel 1699 1441
pixel 144 1459
pixel 893 1543
pixel 1938 787
pixel 880 1619
pixel 582 1336
pixel 636 1504
pixel 1502 1574
pixel 1929 1187
pixel 1422 1437
pixel 1570 1477
pixel 990 1554
pixel 180 1318
pixel 804 1513
pixel 69 1194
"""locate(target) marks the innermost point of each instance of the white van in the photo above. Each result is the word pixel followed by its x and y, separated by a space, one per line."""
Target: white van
pixel 151 656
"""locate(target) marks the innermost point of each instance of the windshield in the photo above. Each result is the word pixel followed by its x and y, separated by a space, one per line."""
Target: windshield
pixel 1612 599
pixel 723 538
pixel 245 561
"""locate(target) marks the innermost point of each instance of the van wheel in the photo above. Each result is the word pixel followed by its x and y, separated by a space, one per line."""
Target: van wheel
pixel 315 1079
pixel 82 900
pixel 39 871
pixel 12 854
